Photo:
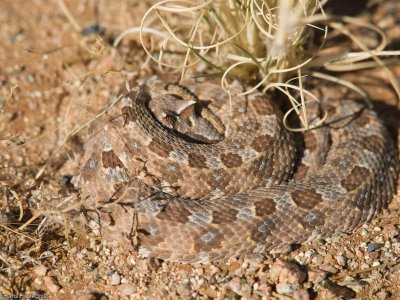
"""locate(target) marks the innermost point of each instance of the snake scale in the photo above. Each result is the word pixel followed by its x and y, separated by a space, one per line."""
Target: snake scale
pixel 210 177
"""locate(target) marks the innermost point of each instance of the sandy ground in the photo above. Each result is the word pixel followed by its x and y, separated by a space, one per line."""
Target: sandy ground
pixel 55 76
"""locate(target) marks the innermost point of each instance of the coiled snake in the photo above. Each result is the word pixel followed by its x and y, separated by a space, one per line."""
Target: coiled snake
pixel 209 178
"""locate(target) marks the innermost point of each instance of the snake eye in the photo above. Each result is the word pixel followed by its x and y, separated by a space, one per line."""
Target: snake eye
pixel 179 97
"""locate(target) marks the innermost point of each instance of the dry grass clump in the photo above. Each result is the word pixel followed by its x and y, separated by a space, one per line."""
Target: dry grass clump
pixel 267 44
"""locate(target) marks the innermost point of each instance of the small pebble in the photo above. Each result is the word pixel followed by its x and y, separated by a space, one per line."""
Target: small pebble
pixel 316 275
pixel 301 294
pixel 286 272
pixel 286 288
pixel 373 255
pixel 373 246
pixel 341 260
pixel 390 230
pixel 235 285
pixel 364 266
pixel 115 279
pixel 91 267
pixel 51 284
pixel 328 269
pixel 183 290
pixel 376 263
pixel 317 260
pixel 40 270
pixel 126 289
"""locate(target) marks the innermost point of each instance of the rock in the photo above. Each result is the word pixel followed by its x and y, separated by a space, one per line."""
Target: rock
pixel 40 270
pixel 328 259
pixel 51 284
pixel 301 294
pixel 183 290
pixel 209 292
pixel 264 288
pixel 317 275
pixel 376 263
pixel 126 289
pixel 240 288
pixel 374 255
pixel 373 246
pixel 329 269
pixel 235 285
pixel 115 279
pixel 317 260
pixel 341 260
pixel 286 288
pixel 286 272
pixel 390 231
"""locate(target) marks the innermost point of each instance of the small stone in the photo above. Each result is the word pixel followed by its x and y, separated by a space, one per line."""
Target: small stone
pixel 214 270
pixel 209 292
pixel 115 279
pixel 382 295
pixel 316 275
pixel 328 260
pixel 373 246
pixel 390 231
pixel 80 255
pixel 235 285
pixel 51 284
pixel 40 270
pixel 240 288
pixel 328 269
pixel 364 232
pixel 376 263
pixel 317 260
pixel 91 267
pixel 286 272
pixel 183 290
pixel 374 255
pixel 364 266
pixel 396 246
pixel 265 288
pixel 286 288
pixel 390 255
pixel 377 229
pixel 301 294
pixel 341 260
pixel 126 289
pixel 309 253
